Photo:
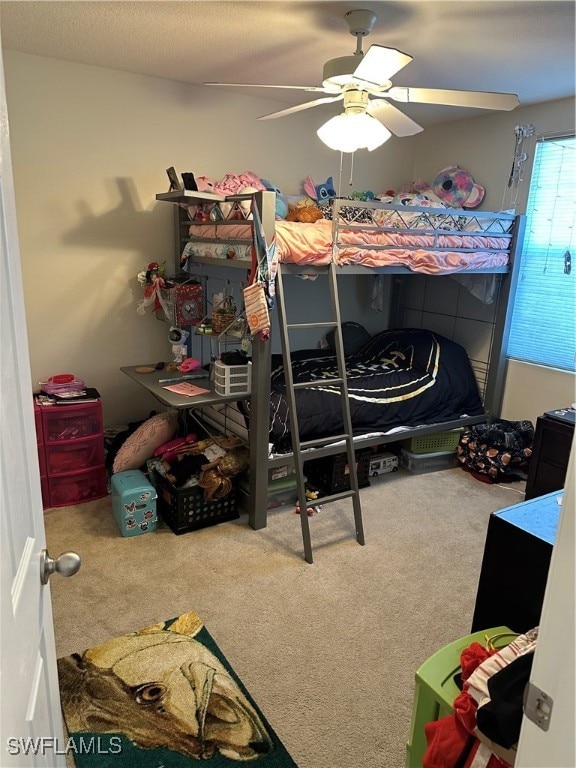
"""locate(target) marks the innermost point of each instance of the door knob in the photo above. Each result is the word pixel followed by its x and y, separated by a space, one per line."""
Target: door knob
pixel 67 564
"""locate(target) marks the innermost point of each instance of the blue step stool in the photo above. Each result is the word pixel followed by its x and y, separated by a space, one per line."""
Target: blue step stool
pixel 133 503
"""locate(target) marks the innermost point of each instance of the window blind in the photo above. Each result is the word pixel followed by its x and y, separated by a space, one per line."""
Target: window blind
pixel 543 328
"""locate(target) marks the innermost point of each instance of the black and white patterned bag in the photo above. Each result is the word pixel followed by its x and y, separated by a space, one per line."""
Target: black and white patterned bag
pixel 497 452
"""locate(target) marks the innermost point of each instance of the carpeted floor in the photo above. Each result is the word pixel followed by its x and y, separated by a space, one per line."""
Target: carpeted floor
pixel 328 651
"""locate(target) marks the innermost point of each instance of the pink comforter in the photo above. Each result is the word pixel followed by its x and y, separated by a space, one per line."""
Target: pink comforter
pixel 312 244
pixel 299 243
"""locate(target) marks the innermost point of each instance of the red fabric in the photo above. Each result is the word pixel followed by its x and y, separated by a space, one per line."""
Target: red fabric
pixel 446 739
pixel 449 746
pixel 472 657
pixel 465 710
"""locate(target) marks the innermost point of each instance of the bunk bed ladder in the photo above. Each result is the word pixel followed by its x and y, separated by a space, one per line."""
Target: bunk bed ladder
pixel 299 447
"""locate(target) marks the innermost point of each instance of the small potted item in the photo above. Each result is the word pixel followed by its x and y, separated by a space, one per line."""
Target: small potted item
pixel 223 315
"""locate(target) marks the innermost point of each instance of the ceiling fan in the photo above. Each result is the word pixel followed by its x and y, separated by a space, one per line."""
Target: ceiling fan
pixel 362 82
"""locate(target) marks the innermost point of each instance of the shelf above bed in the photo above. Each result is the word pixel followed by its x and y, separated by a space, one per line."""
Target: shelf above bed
pixel 188 197
pixel 233 263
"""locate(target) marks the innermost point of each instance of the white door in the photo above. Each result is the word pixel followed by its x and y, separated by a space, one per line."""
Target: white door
pixel 554 670
pixel 30 703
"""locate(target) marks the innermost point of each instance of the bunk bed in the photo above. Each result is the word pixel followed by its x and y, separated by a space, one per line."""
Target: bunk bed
pixel 362 238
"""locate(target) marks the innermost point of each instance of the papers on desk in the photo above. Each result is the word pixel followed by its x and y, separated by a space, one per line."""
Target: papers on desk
pixel 185 388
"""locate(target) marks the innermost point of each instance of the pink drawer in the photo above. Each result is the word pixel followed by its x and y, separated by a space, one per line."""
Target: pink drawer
pixel 77 487
pixel 71 422
pixel 74 455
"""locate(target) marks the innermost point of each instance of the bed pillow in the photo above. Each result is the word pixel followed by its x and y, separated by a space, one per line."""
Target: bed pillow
pixel 142 443
pixel 354 336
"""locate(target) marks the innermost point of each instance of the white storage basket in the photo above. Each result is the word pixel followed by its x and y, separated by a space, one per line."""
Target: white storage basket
pixel 232 379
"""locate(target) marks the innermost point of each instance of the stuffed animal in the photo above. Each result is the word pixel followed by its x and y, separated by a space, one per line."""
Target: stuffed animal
pixel 205 183
pixel 454 187
pixel 281 200
pixel 367 195
pixel 233 183
pixel 321 193
pixel 305 211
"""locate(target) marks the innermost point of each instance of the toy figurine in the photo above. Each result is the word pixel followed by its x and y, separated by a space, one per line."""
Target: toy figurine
pixel 178 337
pixel 151 280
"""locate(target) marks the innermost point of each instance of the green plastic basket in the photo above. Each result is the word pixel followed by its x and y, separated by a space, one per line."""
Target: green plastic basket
pixel 434 443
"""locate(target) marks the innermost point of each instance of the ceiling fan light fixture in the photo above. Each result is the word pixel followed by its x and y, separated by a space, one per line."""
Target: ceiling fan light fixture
pixel 350 131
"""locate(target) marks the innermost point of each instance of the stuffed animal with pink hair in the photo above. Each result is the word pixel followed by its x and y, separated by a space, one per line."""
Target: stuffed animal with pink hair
pixel 453 186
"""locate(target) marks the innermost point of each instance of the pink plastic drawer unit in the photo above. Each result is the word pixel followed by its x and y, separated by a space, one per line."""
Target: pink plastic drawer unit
pixel 74 456
pixel 70 453
pixel 77 487
pixel 41 460
pixel 71 422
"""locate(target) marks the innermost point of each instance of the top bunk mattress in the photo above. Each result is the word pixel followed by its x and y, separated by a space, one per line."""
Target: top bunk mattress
pixel 421 239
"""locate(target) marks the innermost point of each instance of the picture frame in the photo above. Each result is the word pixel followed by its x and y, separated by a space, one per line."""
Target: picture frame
pixel 175 183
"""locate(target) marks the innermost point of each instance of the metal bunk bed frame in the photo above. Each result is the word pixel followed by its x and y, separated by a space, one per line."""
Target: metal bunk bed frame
pixel 260 461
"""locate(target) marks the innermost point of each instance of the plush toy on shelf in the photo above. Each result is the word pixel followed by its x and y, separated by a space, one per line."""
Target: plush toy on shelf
pixel 453 186
pixel 281 210
pixel 321 193
pixel 304 210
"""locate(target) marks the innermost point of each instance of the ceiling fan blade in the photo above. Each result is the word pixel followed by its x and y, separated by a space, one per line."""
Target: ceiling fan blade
pixel 260 85
pixel 379 64
pixel 476 99
pixel 392 118
pixel 300 107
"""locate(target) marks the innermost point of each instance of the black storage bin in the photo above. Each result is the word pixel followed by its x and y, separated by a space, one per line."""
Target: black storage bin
pixel 330 474
pixel 186 509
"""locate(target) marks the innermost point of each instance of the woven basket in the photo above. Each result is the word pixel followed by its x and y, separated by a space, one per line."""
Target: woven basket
pixel 221 321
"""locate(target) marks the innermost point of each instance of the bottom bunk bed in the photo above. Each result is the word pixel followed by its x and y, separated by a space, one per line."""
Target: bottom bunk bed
pixel 400 378
pixel 401 383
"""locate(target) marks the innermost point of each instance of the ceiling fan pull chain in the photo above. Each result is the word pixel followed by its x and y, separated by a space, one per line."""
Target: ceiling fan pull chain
pixel 350 182
pixel 340 174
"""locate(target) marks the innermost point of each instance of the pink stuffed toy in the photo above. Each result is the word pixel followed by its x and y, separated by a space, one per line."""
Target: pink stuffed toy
pixel 205 184
pixel 456 187
pixel 233 183
pixel 189 365
pixel 453 186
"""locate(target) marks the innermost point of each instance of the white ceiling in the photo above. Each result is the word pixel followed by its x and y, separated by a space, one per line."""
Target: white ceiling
pixel 512 46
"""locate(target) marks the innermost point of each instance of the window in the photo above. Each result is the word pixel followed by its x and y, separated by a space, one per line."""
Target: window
pixel 543 326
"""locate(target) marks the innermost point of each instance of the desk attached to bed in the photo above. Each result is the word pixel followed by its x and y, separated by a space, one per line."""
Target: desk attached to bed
pixel 155 382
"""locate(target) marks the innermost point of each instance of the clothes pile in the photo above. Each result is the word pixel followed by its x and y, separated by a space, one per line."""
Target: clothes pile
pixel 484 729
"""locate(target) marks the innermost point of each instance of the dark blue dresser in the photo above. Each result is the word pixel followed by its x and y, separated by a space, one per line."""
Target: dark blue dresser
pixel 515 564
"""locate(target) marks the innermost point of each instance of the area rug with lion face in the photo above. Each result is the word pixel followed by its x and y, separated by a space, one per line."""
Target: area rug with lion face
pixel 163 697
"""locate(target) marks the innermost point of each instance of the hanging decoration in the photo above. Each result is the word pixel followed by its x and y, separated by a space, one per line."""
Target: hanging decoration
pixel 522 133
pixel 152 280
